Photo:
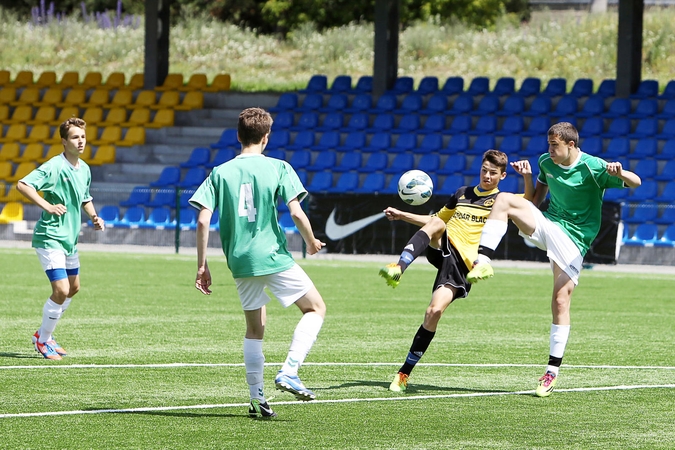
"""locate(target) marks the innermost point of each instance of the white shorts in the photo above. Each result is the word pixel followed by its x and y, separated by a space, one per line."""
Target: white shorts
pixel 56 259
pixel 559 247
pixel 287 286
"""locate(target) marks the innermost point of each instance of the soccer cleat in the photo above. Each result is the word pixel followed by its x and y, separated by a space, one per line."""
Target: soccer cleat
pixel 52 343
pixel 400 383
pixel 480 271
pixel 260 410
pixel 391 273
pixel 293 385
pixel 546 385
pixel 47 351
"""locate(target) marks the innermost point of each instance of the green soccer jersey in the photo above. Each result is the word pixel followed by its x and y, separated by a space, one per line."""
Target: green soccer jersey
pixel 576 193
pixel 245 191
pixel 61 183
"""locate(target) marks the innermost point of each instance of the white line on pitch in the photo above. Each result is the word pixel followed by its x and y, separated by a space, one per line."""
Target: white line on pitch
pixel 345 400
pixel 364 364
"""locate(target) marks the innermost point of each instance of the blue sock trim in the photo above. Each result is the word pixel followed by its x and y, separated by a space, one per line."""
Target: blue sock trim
pixel 412 359
pixel 56 274
pixel 406 257
pixel 73 272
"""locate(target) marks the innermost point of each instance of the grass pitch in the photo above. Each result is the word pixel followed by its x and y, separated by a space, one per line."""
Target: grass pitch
pixel 154 364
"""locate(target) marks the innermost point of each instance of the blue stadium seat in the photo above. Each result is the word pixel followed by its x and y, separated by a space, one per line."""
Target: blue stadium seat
pixel 316 84
pixel 463 104
pixel 276 154
pixel 287 101
pixel 618 147
pixel 222 156
pixel 567 105
pixel 641 213
pixel 357 122
pixel 385 104
pixel 648 190
pixel 617 195
pixel 402 162
pixel 187 218
pixel 411 104
pixel 513 105
pixel 536 146
pixel 133 217
pixel 592 107
pixel 184 198
pixel 321 182
pixel 228 139
pixel 286 223
pixel 379 142
pixel 159 218
pixel 361 103
pixel 405 142
pixel 538 126
pixel 668 92
pixel 382 123
pixel 140 195
pixel 460 124
pixel 341 84
pixel 110 214
pixel 645 235
pixel 303 140
pixel 431 143
pixel 512 145
pixel 306 121
pixel 646 108
pixel 163 197
pixel 509 184
pixel 667 173
pixel 555 87
pixel 335 103
pixel 454 165
pixel 479 86
pixel 453 86
pixel 433 124
pixel 429 163
pixel 402 85
pixel 668 215
pixel 169 176
pixel 540 106
pixel 300 159
pixel 372 184
pixel 667 239
pixel 346 182
pixel 450 185
pixel 618 127
pixel 459 143
pixel 329 140
pixel 511 125
pixel 668 151
pixel 200 156
pixel 428 85
pixel 484 125
pixel 607 88
pixel 214 224
pixel 354 141
pixel 644 148
pixel 593 126
pixel 489 104
pixel 364 85
pixel 283 121
pixel 592 145
pixel 324 161
pixel 668 111
pixel 193 178
pixel 668 131
pixel 437 104
pixel 482 144
pixel 392 186
pixel 311 102
pixel 582 87
pixel 504 86
pixel 331 122
pixel 278 140
pixel 409 123
pixel 376 162
pixel 529 87
pixel 646 89
pixel 619 107
pixel 349 161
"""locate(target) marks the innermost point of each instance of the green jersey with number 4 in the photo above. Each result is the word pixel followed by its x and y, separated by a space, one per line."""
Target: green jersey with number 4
pixel 245 192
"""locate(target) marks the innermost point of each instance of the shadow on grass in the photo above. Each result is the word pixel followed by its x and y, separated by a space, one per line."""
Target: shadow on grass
pixel 201 415
pixel 17 355
pixel 413 388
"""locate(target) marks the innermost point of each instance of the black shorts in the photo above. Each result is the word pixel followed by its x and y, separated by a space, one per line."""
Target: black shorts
pixel 451 268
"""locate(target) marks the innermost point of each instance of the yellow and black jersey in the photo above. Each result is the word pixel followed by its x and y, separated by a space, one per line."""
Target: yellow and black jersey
pixel 464 216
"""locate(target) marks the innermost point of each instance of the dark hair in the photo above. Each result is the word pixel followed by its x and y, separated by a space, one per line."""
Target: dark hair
pixel 70 123
pixel 497 158
pixel 565 131
pixel 253 125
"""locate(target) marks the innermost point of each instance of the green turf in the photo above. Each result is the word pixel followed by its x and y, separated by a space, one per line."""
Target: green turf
pixel 473 388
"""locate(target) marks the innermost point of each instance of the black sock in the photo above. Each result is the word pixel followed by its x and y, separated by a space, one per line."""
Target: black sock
pixel 486 251
pixel 414 248
pixel 554 361
pixel 420 344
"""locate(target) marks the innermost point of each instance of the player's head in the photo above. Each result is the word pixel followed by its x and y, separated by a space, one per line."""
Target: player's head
pixel 493 169
pixel 563 140
pixel 70 123
pixel 254 125
pixel 73 135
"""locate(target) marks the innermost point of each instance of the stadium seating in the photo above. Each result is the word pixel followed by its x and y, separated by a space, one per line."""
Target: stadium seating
pixel 311 102
pixel 335 103
pixel 529 87
pixel 341 84
pixel 316 84
pixel 200 156
pixel 324 161
pixel 222 156
pixel 405 143
pixel 645 235
pixel 667 239
pixel 582 87
pixel 428 85
pixel 453 86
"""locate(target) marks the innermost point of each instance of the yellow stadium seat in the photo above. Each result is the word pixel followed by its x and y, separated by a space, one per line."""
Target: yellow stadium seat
pixel 21 114
pixel 46 79
pixel 221 82
pixel 4 115
pixel 105 154
pixel 44 114
pixel 168 100
pixel 145 99
pixel 92 80
pixel 5 170
pixel 163 118
pixel 74 97
pixel 12 212
pixel 172 82
pixel 93 115
pixel 139 117
pixel 134 136
pixel 52 151
pixel 109 135
pixel 32 153
pixel 115 116
pixel 7 95
pixel 9 151
pixel 55 138
pixel 114 81
pixel 65 114
pixel 91 132
pixel 69 80
pixel 51 97
pixel 28 96
pixel 23 78
pixel 191 100
pixel 86 154
pixel 99 97
pixel 122 98
pixel 136 82
pixel 21 171
pixel 38 133
pixel 9 193
pixel 4 77
pixel 15 133
pixel 197 82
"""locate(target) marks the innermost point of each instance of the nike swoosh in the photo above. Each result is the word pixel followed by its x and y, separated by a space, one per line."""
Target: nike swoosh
pixel 336 232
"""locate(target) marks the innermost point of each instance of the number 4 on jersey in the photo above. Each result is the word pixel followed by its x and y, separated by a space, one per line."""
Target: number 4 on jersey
pixel 246 206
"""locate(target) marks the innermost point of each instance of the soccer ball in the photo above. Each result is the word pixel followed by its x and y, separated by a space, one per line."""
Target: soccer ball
pixel 415 187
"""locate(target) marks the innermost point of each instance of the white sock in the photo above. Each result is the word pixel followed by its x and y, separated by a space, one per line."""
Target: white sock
pixel 51 313
pixel 493 232
pixel 66 304
pixel 254 360
pixel 558 341
pixel 303 338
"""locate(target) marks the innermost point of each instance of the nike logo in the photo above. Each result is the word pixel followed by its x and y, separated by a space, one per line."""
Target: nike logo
pixel 336 232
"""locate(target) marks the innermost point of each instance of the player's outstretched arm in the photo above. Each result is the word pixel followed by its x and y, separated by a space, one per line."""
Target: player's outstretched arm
pixel 304 227
pixel 203 279
pixel 524 169
pixel 631 179
pixel 415 219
